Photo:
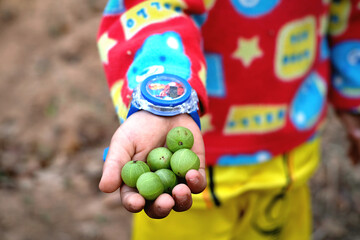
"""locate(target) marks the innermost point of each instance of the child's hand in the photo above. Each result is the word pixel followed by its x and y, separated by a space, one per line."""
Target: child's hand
pixel 351 123
pixel 133 140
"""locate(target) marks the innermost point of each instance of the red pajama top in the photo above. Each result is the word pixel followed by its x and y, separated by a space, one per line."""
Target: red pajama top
pixel 264 70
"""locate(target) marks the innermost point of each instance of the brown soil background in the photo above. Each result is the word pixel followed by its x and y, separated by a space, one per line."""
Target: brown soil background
pixel 56 117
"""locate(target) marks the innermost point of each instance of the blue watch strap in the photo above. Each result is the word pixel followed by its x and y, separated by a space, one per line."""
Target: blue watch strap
pixel 196 118
pixel 132 110
pixel 105 153
pixel 165 95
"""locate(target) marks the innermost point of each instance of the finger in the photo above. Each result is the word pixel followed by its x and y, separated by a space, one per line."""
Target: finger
pixel 351 123
pixel 131 199
pixel 161 207
pixel 182 196
pixel 354 152
pixel 196 180
pixel 120 151
pixel 357 151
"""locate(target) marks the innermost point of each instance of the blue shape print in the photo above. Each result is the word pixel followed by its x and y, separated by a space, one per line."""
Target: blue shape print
pixel 334 18
pixel 199 19
pixel 160 53
pixel 308 102
pixel 244 159
pixel 346 60
pixel 114 7
pixel 324 49
pixel 215 85
pixel 245 122
pixel 254 8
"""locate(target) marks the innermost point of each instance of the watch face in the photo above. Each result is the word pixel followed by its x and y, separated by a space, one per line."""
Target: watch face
pixel 166 89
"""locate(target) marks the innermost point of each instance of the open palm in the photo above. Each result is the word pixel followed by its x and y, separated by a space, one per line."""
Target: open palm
pixel 133 140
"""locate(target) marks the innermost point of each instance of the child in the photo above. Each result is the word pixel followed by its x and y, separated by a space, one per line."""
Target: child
pixel 267 64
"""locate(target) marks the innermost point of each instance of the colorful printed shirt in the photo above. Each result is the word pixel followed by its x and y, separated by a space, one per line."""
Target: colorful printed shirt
pixel 261 68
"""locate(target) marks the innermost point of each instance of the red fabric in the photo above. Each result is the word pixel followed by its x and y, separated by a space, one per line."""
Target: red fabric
pixel 251 84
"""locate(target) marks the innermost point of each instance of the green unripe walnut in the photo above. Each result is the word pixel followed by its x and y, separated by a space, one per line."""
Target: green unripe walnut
pixel 159 158
pixel 168 179
pixel 132 171
pixel 179 138
pixel 183 160
pixel 149 185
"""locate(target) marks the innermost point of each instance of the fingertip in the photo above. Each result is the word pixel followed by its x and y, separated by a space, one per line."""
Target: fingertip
pixel 165 201
pixel 110 179
pixel 182 196
pixel 196 181
pixel 107 187
pixel 134 203
pixel 131 199
pixel 109 182
pixel 181 189
pixel 192 174
pixel 161 207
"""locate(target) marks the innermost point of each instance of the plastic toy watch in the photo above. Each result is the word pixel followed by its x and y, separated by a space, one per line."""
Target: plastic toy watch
pixel 165 95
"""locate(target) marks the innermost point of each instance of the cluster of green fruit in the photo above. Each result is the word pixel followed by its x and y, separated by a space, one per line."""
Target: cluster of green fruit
pixel 164 165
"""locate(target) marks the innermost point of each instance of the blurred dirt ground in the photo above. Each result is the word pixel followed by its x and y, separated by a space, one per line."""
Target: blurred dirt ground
pixel 57 117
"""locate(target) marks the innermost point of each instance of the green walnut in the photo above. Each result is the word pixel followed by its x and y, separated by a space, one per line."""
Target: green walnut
pixel 179 138
pixel 132 171
pixel 159 158
pixel 149 185
pixel 168 179
pixel 183 160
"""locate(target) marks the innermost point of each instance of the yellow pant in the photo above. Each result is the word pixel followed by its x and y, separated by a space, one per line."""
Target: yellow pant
pixel 266 201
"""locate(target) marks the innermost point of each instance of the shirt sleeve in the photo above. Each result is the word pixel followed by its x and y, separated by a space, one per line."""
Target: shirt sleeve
pixel 344 36
pixel 137 39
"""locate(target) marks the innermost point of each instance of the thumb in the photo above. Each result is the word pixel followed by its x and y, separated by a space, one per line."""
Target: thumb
pixel 120 152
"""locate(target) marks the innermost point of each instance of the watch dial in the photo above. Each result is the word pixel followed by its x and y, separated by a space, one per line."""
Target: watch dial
pixel 165 89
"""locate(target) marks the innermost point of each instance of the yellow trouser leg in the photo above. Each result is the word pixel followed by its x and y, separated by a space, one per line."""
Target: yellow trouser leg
pixel 266 201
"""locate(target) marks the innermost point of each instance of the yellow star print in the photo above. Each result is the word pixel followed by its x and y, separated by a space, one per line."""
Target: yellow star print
pixel 323 25
pixel 247 50
pixel 202 74
pixel 206 125
pixel 209 4
pixel 120 106
pixel 105 44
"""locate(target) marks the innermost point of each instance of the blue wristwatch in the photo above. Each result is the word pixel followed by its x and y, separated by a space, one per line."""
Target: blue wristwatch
pixel 165 95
